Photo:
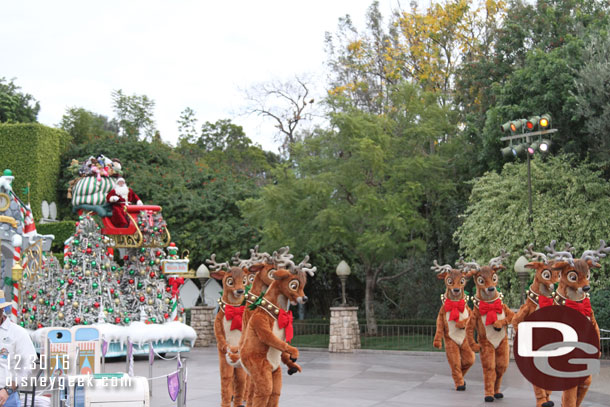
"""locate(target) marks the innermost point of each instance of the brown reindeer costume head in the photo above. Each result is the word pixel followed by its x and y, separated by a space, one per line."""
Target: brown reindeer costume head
pixel 490 318
pixel 573 292
pixel 451 322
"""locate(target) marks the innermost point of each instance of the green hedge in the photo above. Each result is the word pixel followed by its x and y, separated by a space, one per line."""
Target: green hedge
pixel 62 231
pixel 32 151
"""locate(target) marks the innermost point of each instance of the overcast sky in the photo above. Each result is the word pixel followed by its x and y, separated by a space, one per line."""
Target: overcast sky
pixel 180 53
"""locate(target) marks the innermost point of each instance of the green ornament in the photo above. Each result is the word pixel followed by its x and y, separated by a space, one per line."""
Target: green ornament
pixel 22 323
pixel 88 244
pixel 8 173
pixel 152 262
pixel 94 285
pixel 32 317
pixel 116 295
pixel 30 297
pixel 46 302
pixel 73 273
pixel 143 250
pixel 86 309
pixel 132 272
pixel 155 228
pixel 53 307
pixel 110 310
pixel 81 217
pixel 40 291
pixel 139 285
pixel 127 319
pixel 61 282
pixel 103 267
pixel 59 288
pixel 76 241
pixel 113 268
pixel 70 295
pixel 159 296
pixel 93 263
pixel 99 293
pixel 154 319
pixel 79 292
pixel 85 323
pixel 73 261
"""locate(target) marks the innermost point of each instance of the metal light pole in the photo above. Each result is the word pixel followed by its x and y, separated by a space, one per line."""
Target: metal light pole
pixel 523 275
pixel 203 274
pixel 343 271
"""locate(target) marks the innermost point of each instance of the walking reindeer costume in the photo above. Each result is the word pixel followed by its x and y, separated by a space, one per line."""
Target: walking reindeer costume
pixel 270 328
pixel 573 292
pixel 451 323
pixel 490 318
pixel 539 295
pixel 261 267
pixel 228 330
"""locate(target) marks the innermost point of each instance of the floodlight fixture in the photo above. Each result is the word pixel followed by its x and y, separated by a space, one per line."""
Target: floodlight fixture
pixel 545 120
pixel 531 124
pixel 545 145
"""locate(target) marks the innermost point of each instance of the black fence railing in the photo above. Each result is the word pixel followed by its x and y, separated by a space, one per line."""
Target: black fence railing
pixel 390 337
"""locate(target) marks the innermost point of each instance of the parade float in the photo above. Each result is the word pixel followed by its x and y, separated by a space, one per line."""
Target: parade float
pixel 123 281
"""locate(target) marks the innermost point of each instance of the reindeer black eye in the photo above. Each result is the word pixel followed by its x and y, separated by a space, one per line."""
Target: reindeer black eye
pixel 573 277
pixel 246 280
pixel 294 285
pixel 546 275
pixel 463 281
pixel 229 281
pixel 480 280
pixel 251 278
pixel 449 280
pixel 495 278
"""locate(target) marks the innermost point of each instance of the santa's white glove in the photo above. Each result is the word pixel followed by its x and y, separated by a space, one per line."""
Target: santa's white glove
pixel 113 199
pixel 139 203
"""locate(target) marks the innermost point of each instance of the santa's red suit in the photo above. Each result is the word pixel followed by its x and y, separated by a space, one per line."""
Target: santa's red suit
pixel 119 197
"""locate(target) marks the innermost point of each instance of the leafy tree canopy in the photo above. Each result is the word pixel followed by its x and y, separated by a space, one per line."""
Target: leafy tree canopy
pixel 16 106
pixel 571 203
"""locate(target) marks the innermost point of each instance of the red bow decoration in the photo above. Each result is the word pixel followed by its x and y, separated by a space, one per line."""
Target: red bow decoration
pixel 234 314
pixel 150 218
pixel 284 321
pixel 175 283
pixel 495 308
pixel 544 301
pixel 583 307
pixel 455 307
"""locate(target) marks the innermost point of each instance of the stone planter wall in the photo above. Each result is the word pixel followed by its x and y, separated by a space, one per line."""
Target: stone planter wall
pixel 202 321
pixel 344 329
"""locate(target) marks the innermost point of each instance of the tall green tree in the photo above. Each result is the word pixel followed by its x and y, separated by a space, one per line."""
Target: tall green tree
pixel 360 186
pixel 16 106
pixel 135 114
pixel 571 203
pixel 85 126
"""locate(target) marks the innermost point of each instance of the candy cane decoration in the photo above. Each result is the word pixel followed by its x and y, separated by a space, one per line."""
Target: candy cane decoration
pixel 175 283
pixel 16 259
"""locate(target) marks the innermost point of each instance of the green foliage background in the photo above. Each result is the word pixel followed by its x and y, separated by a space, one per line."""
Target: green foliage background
pixel 32 152
pixel 571 203
pixel 61 230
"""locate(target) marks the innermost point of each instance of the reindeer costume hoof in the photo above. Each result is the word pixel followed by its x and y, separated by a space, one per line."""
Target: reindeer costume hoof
pixel 489 399
pixel 462 387
pixel 548 404
pixel 499 395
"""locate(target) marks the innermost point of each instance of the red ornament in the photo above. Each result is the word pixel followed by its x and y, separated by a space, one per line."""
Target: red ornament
pixel 76 224
pixel 131 281
pixel 97 245
pixel 142 259
pixel 33 296
pixel 117 320
pixel 168 288
pixel 34 308
pixel 142 299
pixel 166 315
pixel 152 274
pixel 27 292
pixel 172 244
pixel 77 320
pixel 89 251
pixel 61 303
pixel 80 277
pixel 39 325
pixel 23 310
pixel 96 304
pixel 112 291
pixel 157 253
pixel 126 257
pixel 70 281
pixel 118 281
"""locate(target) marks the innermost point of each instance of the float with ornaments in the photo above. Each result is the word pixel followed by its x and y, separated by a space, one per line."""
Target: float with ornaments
pixel 121 279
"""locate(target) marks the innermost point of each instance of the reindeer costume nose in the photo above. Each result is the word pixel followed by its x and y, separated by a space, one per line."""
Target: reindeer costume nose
pixel 586 288
pixel 456 290
pixel 491 289
pixel 240 291
pixel 304 299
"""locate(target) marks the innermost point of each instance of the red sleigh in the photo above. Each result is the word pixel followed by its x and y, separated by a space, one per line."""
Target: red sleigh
pixel 131 236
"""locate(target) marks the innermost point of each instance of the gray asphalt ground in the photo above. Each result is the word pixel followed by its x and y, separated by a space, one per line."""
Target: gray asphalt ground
pixel 362 379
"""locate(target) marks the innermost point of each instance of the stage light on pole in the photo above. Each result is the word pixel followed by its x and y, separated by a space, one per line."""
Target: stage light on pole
pixel 520 149
pixel 545 120
pixel 545 145
pixel 507 152
pixel 505 127
pixel 517 125
pixel 531 124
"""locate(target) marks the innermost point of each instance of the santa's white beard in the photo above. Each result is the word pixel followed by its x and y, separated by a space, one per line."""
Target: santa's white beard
pixel 123 191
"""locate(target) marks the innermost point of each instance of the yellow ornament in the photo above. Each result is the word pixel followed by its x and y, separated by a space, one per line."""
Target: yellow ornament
pixel 87 273
pixel 157 261
pixel 117 301
pixel 167 300
pixel 150 302
pixel 60 315
pixel 180 319
pixel 75 304
pixel 40 301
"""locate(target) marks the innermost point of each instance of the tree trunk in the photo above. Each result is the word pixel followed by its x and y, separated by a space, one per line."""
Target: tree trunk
pixel 369 296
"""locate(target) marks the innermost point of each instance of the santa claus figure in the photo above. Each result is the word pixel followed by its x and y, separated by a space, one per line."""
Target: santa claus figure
pixel 120 196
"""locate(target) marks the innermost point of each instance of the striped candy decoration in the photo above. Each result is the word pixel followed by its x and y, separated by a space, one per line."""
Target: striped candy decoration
pixel 15 310
pixel 89 191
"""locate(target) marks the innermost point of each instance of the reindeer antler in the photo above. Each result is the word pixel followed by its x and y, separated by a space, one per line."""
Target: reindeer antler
pixel 562 256
pixel 216 266
pixel 595 255
pixel 466 266
pixel 241 263
pixel 304 267
pixel 282 257
pixel 497 261
pixel 256 257
pixel 440 269
pixel 534 256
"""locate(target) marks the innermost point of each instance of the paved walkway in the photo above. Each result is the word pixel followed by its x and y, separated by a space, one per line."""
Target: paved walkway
pixel 363 379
